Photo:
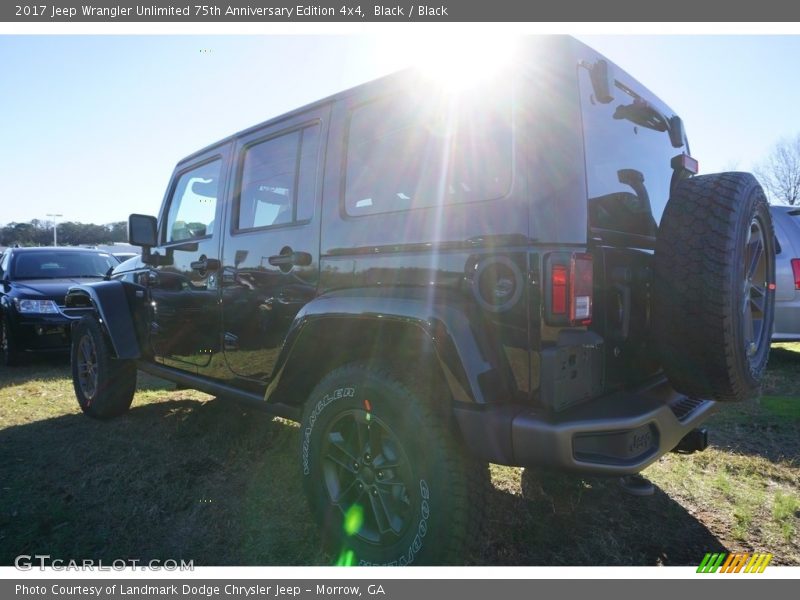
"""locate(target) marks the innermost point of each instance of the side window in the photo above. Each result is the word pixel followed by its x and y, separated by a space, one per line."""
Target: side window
pixel 403 155
pixel 278 178
pixel 4 263
pixel 193 205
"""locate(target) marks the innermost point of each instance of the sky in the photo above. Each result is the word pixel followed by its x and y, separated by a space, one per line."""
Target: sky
pixel 91 126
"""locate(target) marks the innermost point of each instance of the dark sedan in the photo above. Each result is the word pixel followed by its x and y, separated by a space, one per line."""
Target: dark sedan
pixel 33 283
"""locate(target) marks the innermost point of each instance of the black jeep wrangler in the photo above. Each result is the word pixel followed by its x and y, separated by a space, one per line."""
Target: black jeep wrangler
pixel 527 273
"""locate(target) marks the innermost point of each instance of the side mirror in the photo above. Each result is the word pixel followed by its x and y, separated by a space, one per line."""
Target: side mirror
pixel 143 231
pixel 602 75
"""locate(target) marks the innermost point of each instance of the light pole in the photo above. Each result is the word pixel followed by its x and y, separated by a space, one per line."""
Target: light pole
pixel 55 235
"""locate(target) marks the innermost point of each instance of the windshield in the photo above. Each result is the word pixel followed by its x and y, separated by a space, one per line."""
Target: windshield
pixel 61 264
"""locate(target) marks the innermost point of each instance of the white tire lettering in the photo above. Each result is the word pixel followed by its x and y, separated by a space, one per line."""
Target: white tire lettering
pixel 346 392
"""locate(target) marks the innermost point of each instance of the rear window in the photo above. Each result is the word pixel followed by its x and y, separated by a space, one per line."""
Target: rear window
pixel 403 154
pixel 277 180
pixel 58 265
pixel 787 229
pixel 628 170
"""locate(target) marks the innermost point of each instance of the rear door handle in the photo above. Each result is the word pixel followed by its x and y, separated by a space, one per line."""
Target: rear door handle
pixel 290 259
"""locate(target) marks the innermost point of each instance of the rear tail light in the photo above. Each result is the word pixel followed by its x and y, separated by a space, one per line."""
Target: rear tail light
pixel 581 281
pixel 570 297
pixel 559 281
pixel 796 272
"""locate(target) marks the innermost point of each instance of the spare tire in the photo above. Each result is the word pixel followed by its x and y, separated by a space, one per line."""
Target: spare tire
pixel 714 287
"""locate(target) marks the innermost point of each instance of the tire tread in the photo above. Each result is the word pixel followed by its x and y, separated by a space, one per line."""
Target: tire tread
pixel 695 277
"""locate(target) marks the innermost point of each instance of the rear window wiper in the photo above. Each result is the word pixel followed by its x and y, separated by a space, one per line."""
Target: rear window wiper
pixel 641 112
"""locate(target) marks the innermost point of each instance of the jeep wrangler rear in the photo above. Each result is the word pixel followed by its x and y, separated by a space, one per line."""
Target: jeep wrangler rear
pixel 527 272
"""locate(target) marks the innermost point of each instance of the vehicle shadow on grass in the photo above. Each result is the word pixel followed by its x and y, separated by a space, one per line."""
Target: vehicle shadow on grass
pixel 769 426
pixel 782 373
pixel 208 481
pixel 218 483
pixel 568 520
pixel 36 366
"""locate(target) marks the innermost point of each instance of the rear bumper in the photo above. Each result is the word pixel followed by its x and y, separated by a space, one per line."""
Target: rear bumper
pixel 618 434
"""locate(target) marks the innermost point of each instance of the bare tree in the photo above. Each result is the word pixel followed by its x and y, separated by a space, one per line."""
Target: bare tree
pixel 780 172
pixel 731 165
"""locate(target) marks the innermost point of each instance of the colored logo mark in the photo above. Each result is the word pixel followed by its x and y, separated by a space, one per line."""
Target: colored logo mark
pixel 735 562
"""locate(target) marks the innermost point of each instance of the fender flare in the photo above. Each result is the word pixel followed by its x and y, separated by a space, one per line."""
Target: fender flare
pixel 460 348
pixel 109 301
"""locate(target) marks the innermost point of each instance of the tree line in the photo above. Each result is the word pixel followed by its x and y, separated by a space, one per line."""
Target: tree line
pixel 70 233
pixel 779 173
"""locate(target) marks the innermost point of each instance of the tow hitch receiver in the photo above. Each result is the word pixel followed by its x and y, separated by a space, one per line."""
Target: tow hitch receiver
pixel 694 441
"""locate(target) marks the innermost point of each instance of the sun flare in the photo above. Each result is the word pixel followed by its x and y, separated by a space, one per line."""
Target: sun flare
pixel 455 62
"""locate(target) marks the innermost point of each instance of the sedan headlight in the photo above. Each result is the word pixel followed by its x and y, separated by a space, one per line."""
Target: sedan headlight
pixel 45 307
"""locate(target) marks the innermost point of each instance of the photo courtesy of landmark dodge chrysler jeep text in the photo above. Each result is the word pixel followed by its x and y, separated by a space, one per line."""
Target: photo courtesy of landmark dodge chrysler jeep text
pixel 525 272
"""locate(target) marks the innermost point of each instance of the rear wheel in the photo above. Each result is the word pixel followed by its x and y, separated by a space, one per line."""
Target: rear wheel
pixel 104 386
pixel 383 474
pixel 713 301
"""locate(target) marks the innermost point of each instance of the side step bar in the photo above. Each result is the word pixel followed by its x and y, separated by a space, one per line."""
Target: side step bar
pixel 221 390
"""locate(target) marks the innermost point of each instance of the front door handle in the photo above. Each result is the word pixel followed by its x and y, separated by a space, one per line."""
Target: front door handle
pixel 205 264
pixel 290 258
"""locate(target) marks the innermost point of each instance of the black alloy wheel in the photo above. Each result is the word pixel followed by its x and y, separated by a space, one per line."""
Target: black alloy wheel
pixel 366 466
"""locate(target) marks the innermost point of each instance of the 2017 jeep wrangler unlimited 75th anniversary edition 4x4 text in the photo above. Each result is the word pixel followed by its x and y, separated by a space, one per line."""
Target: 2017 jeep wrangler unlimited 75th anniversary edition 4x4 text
pixel 526 273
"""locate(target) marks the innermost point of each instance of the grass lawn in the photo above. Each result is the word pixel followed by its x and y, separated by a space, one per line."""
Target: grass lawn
pixel 185 475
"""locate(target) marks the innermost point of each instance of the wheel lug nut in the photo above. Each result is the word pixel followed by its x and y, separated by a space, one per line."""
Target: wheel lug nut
pixel 355 466
pixel 380 474
pixel 374 492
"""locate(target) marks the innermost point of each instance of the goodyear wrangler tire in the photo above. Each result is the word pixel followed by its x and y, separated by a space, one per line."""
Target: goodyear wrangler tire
pixel 104 386
pixel 713 296
pixel 384 477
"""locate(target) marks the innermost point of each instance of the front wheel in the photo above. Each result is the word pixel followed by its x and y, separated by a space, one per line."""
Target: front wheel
pixel 383 474
pixel 104 385
pixel 9 355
